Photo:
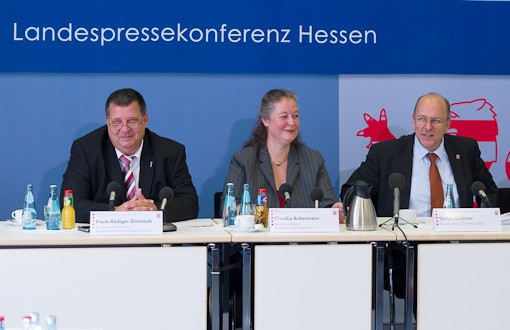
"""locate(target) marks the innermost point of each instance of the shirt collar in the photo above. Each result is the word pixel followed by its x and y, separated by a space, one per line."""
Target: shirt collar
pixel 137 154
pixel 421 152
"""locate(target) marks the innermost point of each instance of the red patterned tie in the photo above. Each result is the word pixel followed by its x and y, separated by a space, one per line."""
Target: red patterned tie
pixel 129 177
pixel 436 188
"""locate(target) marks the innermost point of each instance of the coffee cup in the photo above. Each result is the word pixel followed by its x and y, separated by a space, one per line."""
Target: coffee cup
pixel 17 215
pixel 245 221
pixel 408 215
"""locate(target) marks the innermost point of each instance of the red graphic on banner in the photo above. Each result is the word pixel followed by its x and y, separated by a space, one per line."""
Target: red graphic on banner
pixel 507 166
pixel 377 130
pixel 475 119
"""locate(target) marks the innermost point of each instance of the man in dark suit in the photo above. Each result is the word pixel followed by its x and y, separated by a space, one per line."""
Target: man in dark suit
pixel 150 162
pixel 459 162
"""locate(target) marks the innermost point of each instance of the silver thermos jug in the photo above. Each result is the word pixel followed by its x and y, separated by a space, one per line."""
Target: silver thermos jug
pixel 361 211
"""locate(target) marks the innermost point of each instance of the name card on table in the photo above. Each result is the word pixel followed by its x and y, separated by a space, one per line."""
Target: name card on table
pixel 308 220
pixel 126 223
pixel 466 219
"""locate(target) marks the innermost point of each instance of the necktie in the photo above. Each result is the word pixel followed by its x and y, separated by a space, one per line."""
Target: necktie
pixel 129 177
pixel 436 188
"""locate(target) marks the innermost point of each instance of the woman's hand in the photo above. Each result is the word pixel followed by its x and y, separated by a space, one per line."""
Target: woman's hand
pixel 341 215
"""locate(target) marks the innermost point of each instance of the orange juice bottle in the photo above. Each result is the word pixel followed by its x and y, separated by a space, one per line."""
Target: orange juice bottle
pixel 261 210
pixel 68 213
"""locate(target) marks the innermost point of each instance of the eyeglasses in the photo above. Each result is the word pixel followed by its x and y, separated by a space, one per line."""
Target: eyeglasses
pixel 433 121
pixel 130 123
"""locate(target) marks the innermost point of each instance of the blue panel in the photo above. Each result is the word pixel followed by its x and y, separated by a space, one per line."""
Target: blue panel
pixel 212 115
pixel 329 37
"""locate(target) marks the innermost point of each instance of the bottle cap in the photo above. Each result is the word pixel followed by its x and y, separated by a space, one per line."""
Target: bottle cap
pixel 68 192
pixel 1 318
pixel 262 190
pixel 51 320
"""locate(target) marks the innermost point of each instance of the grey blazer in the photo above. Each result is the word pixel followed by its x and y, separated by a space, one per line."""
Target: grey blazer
pixel 305 171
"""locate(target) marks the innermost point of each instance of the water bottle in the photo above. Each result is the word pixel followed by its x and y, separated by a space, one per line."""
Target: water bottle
pixel 449 200
pixel 229 207
pixel 51 322
pixel 34 321
pixel 26 322
pixel 54 217
pixel 2 326
pixel 29 216
pixel 246 207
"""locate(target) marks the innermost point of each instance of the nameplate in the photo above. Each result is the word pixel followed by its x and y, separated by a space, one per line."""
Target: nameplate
pixel 466 219
pixel 283 220
pixel 126 223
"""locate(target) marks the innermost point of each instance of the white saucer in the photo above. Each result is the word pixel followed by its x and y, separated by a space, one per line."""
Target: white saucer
pixel 13 222
pixel 245 230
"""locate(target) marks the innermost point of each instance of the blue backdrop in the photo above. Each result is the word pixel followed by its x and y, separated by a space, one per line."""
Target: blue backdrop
pixel 203 67
pixel 261 36
pixel 212 115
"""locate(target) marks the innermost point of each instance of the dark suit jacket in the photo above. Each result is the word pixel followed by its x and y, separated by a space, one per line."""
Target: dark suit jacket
pixel 305 171
pixel 396 156
pixel 93 165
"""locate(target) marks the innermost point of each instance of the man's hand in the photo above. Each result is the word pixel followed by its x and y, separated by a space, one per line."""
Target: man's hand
pixel 138 203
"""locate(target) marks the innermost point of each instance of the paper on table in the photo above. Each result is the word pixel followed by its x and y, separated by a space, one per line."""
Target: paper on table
pixel 505 218
pixel 195 223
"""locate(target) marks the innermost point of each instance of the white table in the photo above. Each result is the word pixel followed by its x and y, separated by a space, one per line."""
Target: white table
pixel 314 280
pixel 462 278
pixel 109 283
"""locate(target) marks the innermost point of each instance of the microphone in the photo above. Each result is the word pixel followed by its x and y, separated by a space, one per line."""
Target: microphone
pixel 285 190
pixel 166 195
pixel 396 182
pixel 113 189
pixel 316 195
pixel 478 189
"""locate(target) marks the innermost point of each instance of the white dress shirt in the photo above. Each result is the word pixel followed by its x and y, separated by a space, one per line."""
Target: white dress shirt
pixel 420 181
pixel 135 163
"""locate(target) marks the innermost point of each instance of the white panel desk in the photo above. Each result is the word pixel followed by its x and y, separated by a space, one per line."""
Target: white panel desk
pixel 110 283
pixel 314 281
pixel 462 279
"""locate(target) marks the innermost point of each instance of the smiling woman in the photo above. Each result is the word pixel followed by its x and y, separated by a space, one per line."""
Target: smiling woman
pixel 274 155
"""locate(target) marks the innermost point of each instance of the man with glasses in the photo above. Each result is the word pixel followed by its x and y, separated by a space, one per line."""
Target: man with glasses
pixel 458 161
pixel 127 152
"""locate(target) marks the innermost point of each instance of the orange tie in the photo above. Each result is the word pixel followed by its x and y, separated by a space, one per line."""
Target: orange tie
pixel 436 188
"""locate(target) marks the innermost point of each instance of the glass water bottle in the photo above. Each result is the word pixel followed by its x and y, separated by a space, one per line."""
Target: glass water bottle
pixel 29 216
pixel 229 207
pixel 246 207
pixel 54 220
pixel 449 200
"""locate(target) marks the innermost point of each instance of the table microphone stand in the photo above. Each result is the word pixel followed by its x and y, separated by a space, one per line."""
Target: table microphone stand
pixel 396 219
pixel 396 210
